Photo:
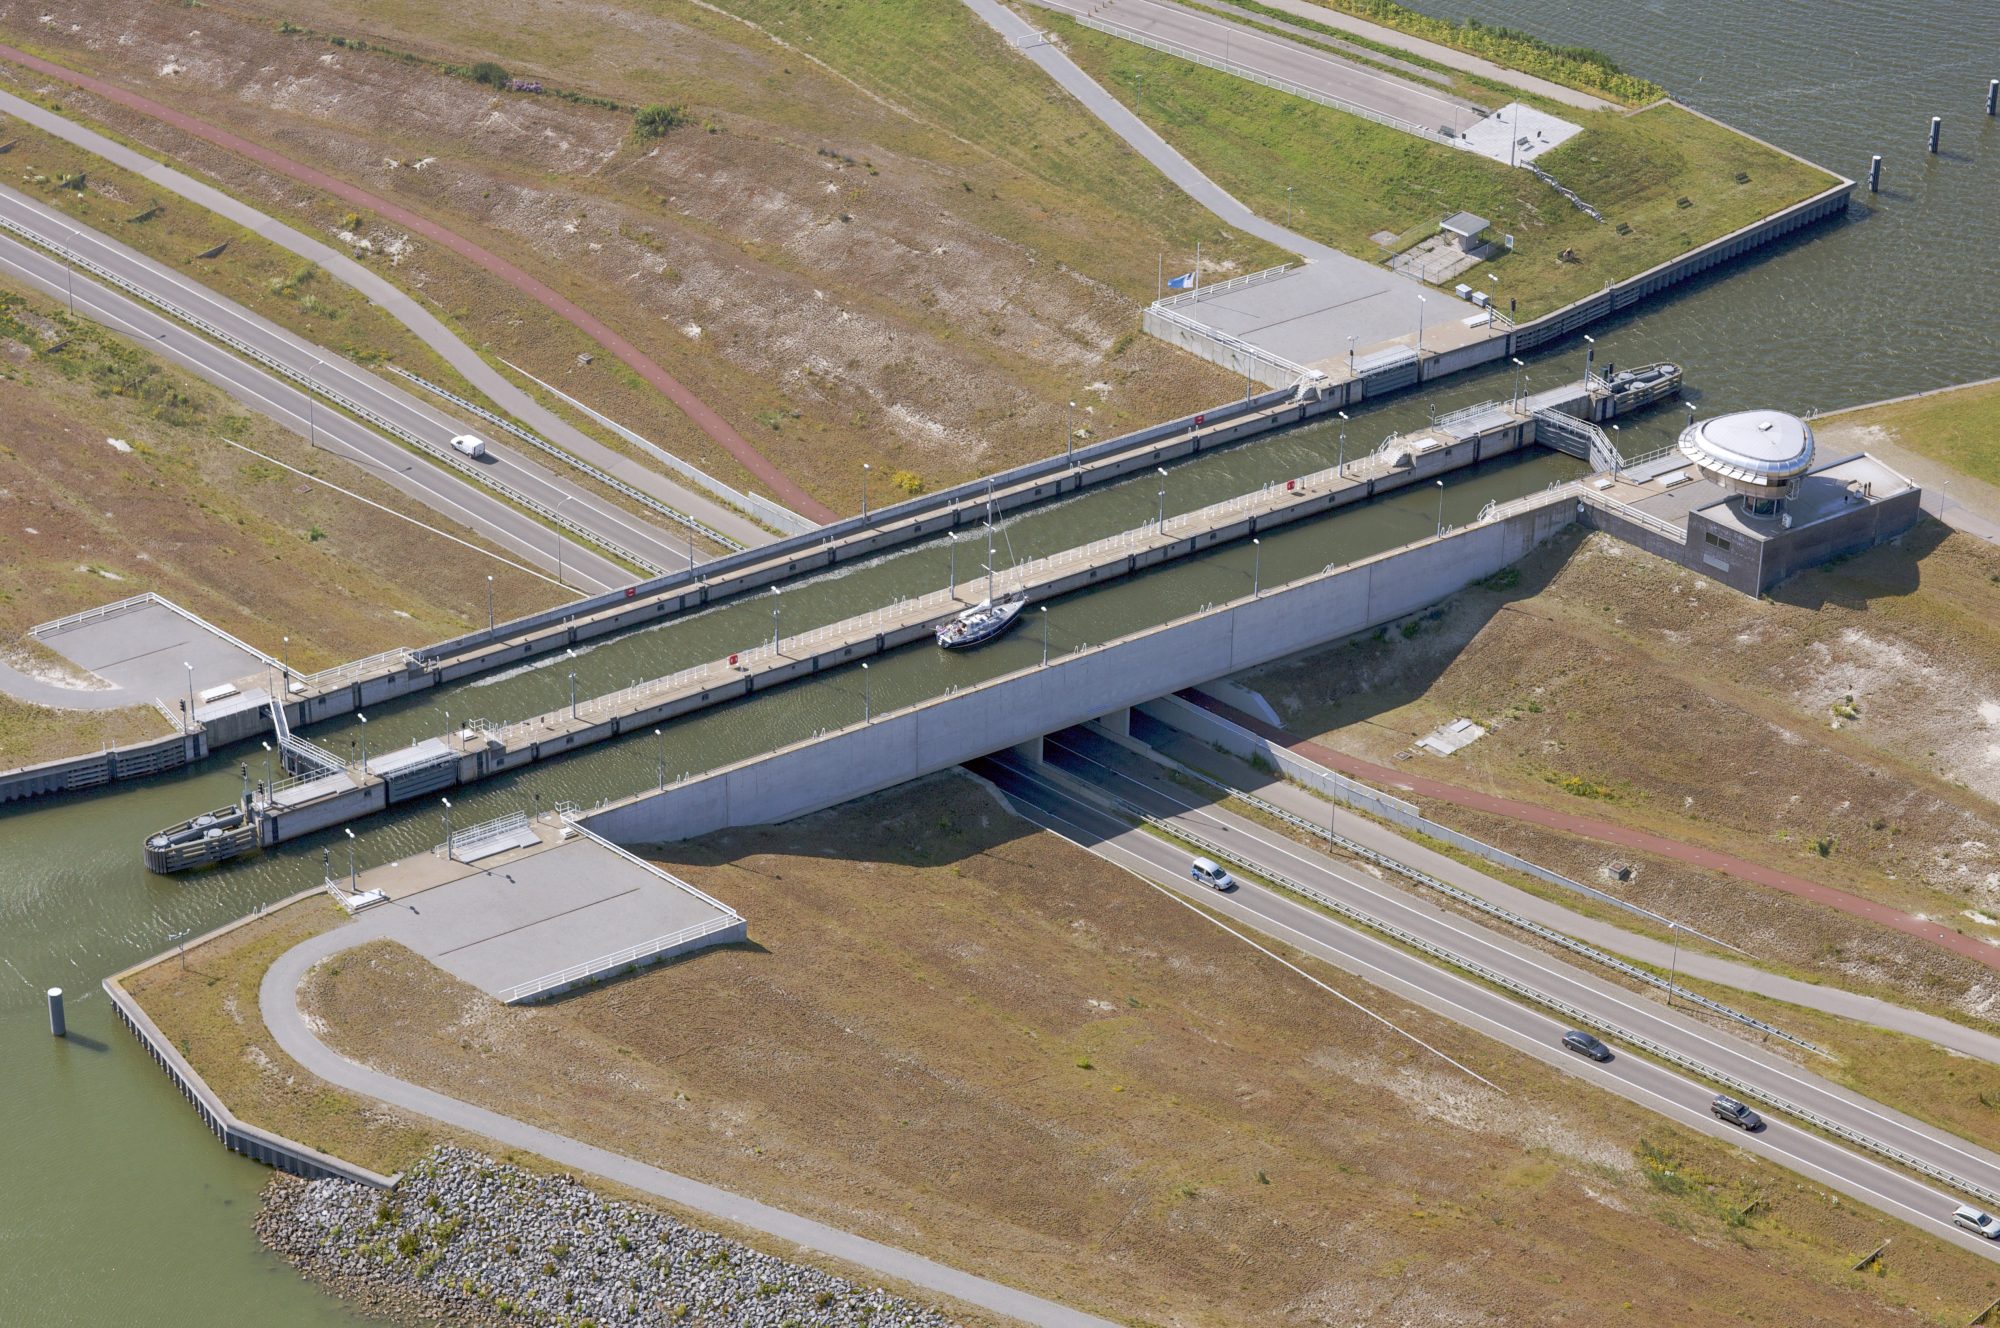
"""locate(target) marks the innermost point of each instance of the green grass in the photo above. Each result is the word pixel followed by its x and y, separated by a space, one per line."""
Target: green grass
pixel 1351 178
pixel 1959 428
pixel 946 66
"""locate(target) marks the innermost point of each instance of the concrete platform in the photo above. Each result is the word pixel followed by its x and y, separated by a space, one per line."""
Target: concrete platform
pixel 515 921
pixel 142 651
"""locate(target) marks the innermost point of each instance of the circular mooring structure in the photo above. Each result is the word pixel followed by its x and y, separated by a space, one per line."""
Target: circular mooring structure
pixel 1760 455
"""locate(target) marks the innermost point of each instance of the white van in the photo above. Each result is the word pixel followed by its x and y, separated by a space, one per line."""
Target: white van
pixel 1211 875
pixel 471 444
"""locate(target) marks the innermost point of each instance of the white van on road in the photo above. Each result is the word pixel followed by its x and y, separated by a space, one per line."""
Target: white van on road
pixel 1211 875
pixel 471 444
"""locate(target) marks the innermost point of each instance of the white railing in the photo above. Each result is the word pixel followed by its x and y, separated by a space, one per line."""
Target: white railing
pixel 315 387
pixel 92 615
pixel 484 832
pixel 1467 414
pixel 1225 340
pixel 359 670
pixel 617 959
pixel 1278 84
pixel 1222 287
pixel 1627 512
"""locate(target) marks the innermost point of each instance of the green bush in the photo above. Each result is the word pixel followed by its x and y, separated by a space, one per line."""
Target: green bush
pixel 658 121
pixel 492 75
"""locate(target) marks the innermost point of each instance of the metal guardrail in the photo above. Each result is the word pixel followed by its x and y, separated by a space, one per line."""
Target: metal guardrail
pixel 1277 84
pixel 484 832
pixel 317 388
pixel 770 512
pixel 1228 341
pixel 1222 287
pixel 500 422
pixel 1737 1087
pixel 358 670
pixel 1529 925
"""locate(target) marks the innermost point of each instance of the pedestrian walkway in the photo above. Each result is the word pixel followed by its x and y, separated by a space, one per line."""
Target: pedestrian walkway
pixel 1694 855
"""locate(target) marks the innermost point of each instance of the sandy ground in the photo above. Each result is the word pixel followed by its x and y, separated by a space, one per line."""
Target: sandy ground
pixel 975 1041
pixel 1852 713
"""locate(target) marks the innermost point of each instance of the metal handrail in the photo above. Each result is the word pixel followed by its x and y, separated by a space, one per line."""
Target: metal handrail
pixel 1234 283
pixel 631 954
pixel 91 615
pixel 387 661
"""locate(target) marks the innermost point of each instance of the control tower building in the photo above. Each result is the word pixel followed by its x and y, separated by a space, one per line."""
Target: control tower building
pixel 1760 456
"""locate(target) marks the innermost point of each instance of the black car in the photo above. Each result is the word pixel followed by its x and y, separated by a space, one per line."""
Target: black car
pixel 1583 1044
pixel 1730 1110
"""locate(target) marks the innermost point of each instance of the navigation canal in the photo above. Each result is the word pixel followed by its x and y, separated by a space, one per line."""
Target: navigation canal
pixel 121 1208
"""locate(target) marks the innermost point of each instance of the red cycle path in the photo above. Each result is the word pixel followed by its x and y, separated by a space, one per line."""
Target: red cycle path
pixel 1692 854
pixel 704 417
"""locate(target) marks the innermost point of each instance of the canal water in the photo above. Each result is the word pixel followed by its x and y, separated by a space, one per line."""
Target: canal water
pixel 119 1206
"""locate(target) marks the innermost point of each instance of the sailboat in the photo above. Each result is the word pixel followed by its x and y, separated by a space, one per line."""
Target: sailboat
pixel 989 617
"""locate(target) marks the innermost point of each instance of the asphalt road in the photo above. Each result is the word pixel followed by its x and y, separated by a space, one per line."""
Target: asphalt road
pixel 406 310
pixel 618 528
pixel 1276 57
pixel 267 394
pixel 1048 800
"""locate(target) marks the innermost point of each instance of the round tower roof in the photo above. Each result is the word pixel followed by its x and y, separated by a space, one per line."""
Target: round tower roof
pixel 1760 449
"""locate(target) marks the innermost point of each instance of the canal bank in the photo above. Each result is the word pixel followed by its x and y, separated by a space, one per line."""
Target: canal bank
pixel 123 1209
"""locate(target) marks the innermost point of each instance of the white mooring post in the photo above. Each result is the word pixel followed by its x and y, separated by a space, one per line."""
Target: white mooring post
pixel 1937 127
pixel 56 1024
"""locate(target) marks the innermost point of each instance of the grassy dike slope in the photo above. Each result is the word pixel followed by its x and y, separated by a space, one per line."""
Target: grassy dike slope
pixel 976 1041
pixel 1352 178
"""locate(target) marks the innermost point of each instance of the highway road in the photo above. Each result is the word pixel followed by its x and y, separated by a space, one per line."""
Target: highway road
pixel 1051 797
pixel 615 528
pixel 406 310
pixel 1276 57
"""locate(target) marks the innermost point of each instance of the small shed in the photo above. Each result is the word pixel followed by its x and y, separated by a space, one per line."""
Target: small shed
pixel 1465 228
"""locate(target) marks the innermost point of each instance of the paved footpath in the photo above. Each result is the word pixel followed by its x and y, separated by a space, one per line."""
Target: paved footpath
pixel 1623 836
pixel 704 417
pixel 277 998
pixel 1689 959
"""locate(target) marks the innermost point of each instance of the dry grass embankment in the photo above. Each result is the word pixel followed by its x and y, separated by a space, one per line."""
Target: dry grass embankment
pixel 209 1012
pixel 978 1042
pixel 881 242
pixel 114 468
pixel 1837 730
pixel 1350 178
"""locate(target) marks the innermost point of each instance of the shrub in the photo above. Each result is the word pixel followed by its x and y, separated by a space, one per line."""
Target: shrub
pixel 658 121
pixel 492 75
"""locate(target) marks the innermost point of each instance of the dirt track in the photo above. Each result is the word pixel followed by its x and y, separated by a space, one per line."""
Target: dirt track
pixel 1605 832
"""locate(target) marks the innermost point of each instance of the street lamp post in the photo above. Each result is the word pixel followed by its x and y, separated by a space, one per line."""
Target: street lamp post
pixel 353 872
pixel 1256 567
pixel 951 588
pixel 364 740
pixel 1340 458
pixel 1069 434
pixel 559 537
pixel 865 468
pixel 867 697
pixel 1589 358
pixel 572 693
pixel 1045 635
pixel 447 829
pixel 1163 498
pixel 190 668
pixel 662 759
pixel 1421 302
pixel 489 601
pixel 1440 509
pixel 1515 360
pixel 774 620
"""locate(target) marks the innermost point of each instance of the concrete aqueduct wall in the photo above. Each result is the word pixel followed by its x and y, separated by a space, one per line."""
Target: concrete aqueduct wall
pixel 1022 706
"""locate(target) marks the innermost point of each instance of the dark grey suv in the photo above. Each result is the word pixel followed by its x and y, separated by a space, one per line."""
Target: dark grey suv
pixel 1730 1110
pixel 1583 1044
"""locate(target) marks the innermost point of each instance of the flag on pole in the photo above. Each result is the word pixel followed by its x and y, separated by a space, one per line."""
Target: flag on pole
pixel 1181 282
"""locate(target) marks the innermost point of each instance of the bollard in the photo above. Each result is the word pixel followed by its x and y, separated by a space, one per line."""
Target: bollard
pixel 1993 96
pixel 1875 174
pixel 1937 124
pixel 56 1025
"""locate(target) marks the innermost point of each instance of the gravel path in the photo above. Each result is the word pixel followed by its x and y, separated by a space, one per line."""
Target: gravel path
pixel 465 1239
